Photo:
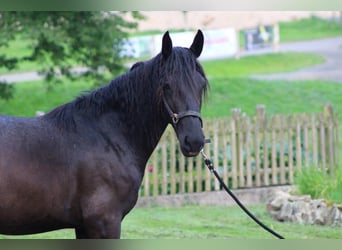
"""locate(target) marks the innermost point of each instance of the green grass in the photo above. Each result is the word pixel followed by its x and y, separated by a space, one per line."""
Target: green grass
pixel 278 96
pixel 204 222
pixel 261 64
pixel 32 96
pixel 207 222
pixel 308 28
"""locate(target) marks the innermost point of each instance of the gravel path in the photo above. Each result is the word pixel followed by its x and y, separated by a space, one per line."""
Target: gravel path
pixel 331 70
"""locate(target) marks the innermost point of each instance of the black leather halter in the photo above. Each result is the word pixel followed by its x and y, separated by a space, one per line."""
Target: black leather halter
pixel 175 117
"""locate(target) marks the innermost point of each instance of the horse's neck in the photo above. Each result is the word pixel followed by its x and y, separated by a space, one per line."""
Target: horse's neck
pixel 145 134
pixel 142 121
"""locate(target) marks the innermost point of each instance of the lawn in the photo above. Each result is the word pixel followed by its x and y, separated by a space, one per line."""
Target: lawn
pixel 267 63
pixel 278 96
pixel 204 222
pixel 308 28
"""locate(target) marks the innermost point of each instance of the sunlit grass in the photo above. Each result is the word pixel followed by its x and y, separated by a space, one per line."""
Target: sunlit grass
pixel 204 222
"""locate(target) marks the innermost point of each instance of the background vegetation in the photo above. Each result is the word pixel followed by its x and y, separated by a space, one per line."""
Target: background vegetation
pixel 55 42
pixel 320 184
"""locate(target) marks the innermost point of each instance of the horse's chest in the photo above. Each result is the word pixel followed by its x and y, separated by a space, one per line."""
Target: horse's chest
pixel 110 184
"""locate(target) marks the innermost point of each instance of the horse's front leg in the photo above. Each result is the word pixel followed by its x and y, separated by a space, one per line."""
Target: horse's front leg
pixel 105 226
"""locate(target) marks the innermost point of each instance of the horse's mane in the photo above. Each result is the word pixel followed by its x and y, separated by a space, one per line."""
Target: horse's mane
pixel 137 92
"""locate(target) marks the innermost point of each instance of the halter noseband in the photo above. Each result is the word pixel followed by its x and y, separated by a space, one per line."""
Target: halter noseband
pixel 175 117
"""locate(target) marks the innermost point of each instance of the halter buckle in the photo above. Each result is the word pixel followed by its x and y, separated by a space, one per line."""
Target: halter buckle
pixel 175 118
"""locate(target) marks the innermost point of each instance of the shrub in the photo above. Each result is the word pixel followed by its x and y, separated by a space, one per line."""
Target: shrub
pixel 320 184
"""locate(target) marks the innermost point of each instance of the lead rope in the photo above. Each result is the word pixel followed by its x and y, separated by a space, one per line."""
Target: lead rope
pixel 210 166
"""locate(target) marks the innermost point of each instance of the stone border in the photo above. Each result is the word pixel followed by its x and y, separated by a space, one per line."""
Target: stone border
pixel 248 196
pixel 285 207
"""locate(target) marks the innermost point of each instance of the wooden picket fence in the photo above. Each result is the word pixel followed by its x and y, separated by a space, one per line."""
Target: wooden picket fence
pixel 247 151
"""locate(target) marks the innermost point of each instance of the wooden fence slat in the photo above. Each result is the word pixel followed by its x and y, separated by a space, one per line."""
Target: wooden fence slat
pixel 248 153
pixel 322 141
pixel 240 138
pixel 265 157
pixel 216 150
pixel 164 168
pixel 306 140
pixel 233 153
pixel 181 173
pixel 155 173
pixel 224 136
pixel 336 140
pixel 207 173
pixel 274 150
pixel 282 140
pixel 330 146
pixel 199 169
pixel 190 175
pixel 173 177
pixel 146 183
pixel 256 147
pixel 290 149
pixel 298 144
pixel 328 118
pixel 314 139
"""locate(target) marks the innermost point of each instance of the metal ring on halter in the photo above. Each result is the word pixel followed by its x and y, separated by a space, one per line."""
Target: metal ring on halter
pixel 176 117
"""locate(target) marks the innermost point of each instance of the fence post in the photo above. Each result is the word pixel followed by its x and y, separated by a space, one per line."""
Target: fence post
pixel 216 149
pixel 248 143
pixel 258 124
pixel 261 114
pixel 290 148
pixel 234 145
pixel 282 126
pixel 330 143
pixel 298 143
pixel 315 139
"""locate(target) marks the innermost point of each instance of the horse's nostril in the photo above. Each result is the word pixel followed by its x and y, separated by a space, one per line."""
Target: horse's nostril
pixel 186 143
pixel 193 145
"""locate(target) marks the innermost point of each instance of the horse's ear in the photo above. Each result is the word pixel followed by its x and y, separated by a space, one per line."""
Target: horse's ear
pixel 197 45
pixel 167 45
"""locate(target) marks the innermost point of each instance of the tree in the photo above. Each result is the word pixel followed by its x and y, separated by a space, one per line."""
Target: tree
pixel 59 41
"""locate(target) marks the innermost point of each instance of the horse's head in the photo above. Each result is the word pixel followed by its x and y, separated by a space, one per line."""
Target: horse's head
pixel 183 84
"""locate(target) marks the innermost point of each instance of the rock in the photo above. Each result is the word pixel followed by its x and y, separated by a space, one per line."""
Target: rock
pixel 285 207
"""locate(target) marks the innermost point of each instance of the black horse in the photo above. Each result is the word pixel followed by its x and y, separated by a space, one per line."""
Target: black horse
pixel 81 165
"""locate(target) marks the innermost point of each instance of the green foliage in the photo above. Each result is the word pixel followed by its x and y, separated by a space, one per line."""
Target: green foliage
pixel 320 184
pixel 6 91
pixel 58 41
